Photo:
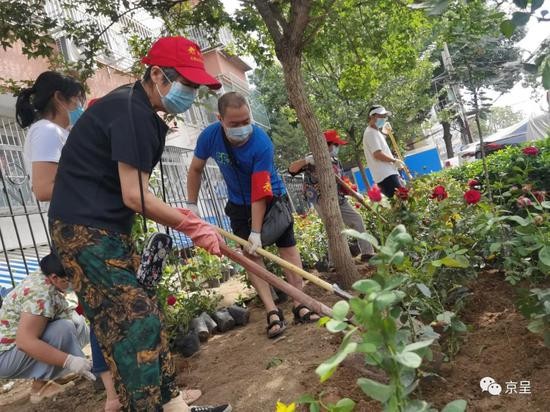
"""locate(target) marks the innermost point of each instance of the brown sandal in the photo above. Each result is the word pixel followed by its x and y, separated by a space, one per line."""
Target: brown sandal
pixel 280 322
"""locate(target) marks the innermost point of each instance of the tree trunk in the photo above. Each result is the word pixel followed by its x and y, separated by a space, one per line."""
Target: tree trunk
pixel 448 139
pixel 334 224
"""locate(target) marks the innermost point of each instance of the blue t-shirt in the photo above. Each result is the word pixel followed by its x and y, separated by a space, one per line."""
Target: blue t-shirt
pixel 254 176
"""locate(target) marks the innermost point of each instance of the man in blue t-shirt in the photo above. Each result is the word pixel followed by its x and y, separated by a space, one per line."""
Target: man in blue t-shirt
pixel 244 154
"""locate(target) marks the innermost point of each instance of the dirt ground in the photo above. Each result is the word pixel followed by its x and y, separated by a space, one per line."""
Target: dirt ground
pixel 251 372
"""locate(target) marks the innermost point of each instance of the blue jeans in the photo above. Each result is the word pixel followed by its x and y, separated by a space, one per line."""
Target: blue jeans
pixel 98 361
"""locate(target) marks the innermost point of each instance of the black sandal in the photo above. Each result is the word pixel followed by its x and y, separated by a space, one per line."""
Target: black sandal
pixel 281 323
pixel 306 318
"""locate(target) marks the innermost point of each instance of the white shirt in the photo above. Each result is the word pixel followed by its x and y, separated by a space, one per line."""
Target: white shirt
pixel 44 142
pixel 373 141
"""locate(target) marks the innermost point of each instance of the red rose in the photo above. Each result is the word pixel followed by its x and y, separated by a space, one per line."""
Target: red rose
pixel 5 322
pixel 439 193
pixel 472 196
pixel 402 193
pixel 523 201
pixel 171 300
pixel 539 195
pixel 473 183
pixel 358 205
pixel 375 194
pixel 530 151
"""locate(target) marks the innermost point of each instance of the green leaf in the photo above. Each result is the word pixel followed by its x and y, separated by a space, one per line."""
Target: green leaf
pixel 458 262
pixel 397 258
pixel 522 4
pixel 418 406
pixel 546 85
pixel 327 368
pixel 335 326
pixel 366 347
pixel 544 255
pixel 340 310
pixel 507 27
pixel 536 326
pixel 424 289
pixel 361 235
pixel 519 220
pixel 306 398
pixel 385 299
pixel 455 406
pixel 520 18
pixel 536 4
pixel 314 407
pixel 323 321
pixel 546 203
pixel 375 390
pixel 408 359
pixel 367 286
pixel 495 247
pixel 344 405
pixel 418 345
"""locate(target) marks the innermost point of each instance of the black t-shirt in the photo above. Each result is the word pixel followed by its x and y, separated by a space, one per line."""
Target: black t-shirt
pixel 87 186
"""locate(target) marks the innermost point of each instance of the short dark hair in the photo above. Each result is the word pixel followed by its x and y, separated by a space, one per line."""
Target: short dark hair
pixel 170 72
pixel 51 265
pixel 36 101
pixel 231 99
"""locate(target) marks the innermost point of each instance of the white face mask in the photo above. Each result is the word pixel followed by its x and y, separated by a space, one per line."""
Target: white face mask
pixel 335 150
pixel 380 122
pixel 239 134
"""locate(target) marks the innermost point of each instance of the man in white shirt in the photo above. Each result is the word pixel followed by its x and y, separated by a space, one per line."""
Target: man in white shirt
pixel 383 166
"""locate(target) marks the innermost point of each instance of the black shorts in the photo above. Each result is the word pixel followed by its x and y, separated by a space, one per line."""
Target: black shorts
pixel 241 221
pixel 389 185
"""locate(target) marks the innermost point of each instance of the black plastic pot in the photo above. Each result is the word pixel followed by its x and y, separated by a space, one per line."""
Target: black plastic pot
pixel 210 323
pixel 240 314
pixel 199 325
pixel 187 343
pixel 224 320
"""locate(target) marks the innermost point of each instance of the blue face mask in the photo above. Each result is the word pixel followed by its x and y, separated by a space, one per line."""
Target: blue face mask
pixel 239 134
pixel 179 98
pixel 75 114
pixel 380 122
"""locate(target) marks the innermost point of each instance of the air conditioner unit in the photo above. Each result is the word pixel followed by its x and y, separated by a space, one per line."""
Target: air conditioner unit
pixel 70 52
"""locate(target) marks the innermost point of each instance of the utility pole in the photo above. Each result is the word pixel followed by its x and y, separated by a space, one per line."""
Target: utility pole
pixel 448 65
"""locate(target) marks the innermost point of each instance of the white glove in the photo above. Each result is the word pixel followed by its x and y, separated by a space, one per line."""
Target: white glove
pixel 254 242
pixel 193 208
pixel 399 164
pixel 309 160
pixel 80 366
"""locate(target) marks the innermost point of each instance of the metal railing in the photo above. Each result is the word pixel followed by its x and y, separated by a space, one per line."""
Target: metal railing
pixel 24 236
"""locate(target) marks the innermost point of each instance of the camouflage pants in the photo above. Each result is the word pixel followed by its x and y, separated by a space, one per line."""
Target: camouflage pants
pixel 125 317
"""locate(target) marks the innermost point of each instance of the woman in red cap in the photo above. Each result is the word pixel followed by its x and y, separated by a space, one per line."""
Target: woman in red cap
pixel 102 181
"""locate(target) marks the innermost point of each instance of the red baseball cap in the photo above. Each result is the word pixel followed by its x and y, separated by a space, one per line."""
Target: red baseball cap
pixel 331 136
pixel 184 56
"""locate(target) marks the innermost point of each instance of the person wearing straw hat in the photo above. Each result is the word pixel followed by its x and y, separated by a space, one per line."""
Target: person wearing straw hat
pixel 350 217
pixel 384 167
pixel 102 182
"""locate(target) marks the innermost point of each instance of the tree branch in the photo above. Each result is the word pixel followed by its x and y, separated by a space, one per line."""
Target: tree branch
pixel 317 23
pixel 298 21
pixel 271 17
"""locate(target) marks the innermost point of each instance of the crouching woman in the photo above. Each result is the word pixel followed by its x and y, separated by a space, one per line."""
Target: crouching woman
pixel 41 338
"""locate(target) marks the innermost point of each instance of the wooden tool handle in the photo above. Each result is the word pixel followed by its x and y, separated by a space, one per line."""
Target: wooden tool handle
pixel 275 281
